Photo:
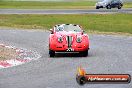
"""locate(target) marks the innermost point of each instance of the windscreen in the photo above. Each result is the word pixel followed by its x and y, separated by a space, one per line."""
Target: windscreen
pixel 73 28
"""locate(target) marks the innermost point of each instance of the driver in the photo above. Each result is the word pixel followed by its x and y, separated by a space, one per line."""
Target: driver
pixel 60 28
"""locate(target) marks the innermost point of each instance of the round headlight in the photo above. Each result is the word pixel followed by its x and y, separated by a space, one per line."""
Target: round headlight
pixel 79 39
pixel 60 39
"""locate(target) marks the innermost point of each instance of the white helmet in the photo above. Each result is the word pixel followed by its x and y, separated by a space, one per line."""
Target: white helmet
pixel 60 28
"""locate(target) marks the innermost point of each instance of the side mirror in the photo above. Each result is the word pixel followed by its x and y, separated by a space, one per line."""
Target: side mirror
pixel 51 30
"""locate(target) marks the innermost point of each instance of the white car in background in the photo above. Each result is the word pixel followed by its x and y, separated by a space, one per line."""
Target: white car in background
pixel 109 4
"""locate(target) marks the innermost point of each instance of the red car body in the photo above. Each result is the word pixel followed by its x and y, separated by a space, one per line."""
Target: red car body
pixel 68 38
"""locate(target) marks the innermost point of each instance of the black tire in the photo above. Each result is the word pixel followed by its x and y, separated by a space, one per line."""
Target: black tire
pixel 97 7
pixel 108 7
pixel 51 53
pixel 81 80
pixel 119 7
pixel 84 53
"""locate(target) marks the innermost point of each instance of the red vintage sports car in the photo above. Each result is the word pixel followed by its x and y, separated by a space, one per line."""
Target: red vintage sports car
pixel 68 38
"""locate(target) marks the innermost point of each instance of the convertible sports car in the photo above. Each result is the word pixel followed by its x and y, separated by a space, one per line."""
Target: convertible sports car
pixel 68 38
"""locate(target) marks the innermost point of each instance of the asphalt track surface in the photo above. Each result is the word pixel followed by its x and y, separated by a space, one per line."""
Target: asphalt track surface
pixel 108 54
pixel 65 11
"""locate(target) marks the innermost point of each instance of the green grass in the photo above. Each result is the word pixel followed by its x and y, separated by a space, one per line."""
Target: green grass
pixel 52 5
pixel 90 22
pixel 47 5
pixel 128 5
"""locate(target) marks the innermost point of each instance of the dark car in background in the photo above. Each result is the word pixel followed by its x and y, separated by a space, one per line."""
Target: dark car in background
pixel 109 4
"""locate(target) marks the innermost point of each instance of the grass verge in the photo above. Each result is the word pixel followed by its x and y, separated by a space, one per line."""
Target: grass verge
pixel 128 5
pixel 47 5
pixel 52 5
pixel 117 23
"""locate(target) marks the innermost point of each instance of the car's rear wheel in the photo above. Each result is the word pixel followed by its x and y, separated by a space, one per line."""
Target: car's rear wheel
pixel 108 7
pixel 81 80
pixel 97 7
pixel 51 53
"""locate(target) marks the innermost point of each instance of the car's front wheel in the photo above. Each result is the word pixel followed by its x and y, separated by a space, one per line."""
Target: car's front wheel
pixel 84 53
pixel 119 7
pixel 51 53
